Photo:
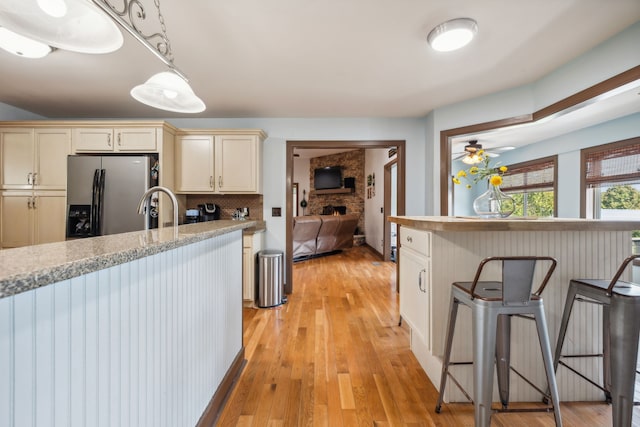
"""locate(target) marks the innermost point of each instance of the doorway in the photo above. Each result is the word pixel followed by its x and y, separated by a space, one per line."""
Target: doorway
pixel 291 146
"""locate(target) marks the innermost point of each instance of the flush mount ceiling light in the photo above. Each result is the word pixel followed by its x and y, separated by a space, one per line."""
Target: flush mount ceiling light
pixel 75 25
pixel 22 46
pixel 453 34
pixel 168 90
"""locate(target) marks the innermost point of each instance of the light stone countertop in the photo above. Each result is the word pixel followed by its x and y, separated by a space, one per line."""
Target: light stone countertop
pixel 31 267
pixel 457 223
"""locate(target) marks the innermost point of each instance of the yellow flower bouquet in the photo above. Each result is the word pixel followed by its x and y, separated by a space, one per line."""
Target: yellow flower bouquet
pixel 493 203
pixel 481 172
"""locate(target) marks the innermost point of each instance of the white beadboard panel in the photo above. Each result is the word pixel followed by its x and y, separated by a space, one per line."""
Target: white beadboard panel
pixel 587 254
pixel 7 371
pixel 145 343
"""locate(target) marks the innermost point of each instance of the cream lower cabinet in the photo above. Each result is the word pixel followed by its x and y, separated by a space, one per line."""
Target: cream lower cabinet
pixel 415 284
pixel 30 218
pixel 101 140
pixel 251 245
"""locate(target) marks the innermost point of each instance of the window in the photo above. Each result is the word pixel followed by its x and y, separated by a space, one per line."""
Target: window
pixel 611 182
pixel 533 187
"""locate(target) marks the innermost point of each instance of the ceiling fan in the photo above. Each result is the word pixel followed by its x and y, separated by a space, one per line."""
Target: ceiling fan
pixel 469 153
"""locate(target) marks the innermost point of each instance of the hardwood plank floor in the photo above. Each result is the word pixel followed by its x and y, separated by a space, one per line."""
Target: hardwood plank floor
pixel 334 355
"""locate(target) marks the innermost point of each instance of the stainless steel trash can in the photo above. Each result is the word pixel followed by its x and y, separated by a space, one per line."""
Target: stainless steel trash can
pixel 270 283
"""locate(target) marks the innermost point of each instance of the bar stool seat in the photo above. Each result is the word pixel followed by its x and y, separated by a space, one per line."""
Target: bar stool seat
pixel 620 303
pixel 492 304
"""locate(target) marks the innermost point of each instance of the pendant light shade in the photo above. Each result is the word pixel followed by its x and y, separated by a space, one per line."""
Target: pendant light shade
pixel 453 34
pixel 168 91
pixel 80 27
pixel 22 46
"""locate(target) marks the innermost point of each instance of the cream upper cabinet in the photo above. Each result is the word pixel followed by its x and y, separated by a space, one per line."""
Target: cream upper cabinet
pixel 30 218
pixel 194 164
pixel 35 158
pixel 102 140
pixel 238 165
pixel 220 162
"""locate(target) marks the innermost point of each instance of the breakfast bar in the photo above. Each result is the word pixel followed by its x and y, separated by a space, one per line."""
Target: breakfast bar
pixel 436 251
pixel 141 328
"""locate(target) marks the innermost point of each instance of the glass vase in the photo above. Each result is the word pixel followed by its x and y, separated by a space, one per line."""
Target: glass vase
pixel 493 203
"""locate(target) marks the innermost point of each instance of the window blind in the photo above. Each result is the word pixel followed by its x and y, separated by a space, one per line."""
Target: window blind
pixel 619 164
pixel 537 175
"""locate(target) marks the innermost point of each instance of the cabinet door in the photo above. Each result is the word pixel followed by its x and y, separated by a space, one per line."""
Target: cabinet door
pixel 17 158
pixel 52 147
pixel 236 164
pixel 93 140
pixel 415 286
pixel 17 219
pixel 135 139
pixel 49 217
pixel 194 164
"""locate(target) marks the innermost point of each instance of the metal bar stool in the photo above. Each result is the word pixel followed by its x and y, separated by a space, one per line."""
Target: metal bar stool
pixel 620 302
pixel 492 305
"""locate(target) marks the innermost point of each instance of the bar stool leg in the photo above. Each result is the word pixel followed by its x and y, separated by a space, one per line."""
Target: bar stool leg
pixel 484 351
pixel 545 347
pixel 624 329
pixel 606 352
pixel 503 357
pixel 568 306
pixel 453 313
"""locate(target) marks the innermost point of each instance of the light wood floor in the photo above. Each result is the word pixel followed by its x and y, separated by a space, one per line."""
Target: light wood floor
pixel 334 355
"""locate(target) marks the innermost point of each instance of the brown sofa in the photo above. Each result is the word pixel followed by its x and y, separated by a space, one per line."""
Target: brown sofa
pixel 322 234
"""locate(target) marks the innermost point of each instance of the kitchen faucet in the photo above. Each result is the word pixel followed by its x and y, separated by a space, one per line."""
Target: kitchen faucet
pixel 143 207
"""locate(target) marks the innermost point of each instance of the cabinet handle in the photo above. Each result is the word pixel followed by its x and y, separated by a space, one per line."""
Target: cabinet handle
pixel 29 203
pixel 35 178
pixel 220 181
pixel 109 140
pixel 33 202
pixel 211 181
pixel 119 141
pixel 29 178
pixel 420 281
pixel 409 239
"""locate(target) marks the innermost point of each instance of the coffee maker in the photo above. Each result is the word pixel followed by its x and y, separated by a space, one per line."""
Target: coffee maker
pixel 209 212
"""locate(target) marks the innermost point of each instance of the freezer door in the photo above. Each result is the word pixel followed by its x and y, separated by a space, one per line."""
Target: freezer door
pixel 126 179
pixel 80 170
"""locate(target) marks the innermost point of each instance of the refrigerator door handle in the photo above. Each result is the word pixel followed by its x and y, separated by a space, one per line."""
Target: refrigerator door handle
pixel 94 203
pixel 101 179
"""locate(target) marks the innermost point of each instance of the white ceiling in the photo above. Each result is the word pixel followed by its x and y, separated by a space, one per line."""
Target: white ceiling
pixel 330 58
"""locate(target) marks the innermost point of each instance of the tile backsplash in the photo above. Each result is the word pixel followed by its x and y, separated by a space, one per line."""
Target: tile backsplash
pixel 229 203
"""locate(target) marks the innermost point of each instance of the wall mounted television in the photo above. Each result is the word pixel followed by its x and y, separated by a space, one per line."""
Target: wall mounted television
pixel 327 178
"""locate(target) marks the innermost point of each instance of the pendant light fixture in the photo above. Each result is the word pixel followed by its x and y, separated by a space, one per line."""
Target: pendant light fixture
pixel 453 34
pixel 168 90
pixel 22 46
pixel 74 25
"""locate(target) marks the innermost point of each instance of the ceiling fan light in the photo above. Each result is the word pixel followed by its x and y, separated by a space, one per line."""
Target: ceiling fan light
pixel 22 46
pixel 84 27
pixel 472 159
pixel 453 34
pixel 170 92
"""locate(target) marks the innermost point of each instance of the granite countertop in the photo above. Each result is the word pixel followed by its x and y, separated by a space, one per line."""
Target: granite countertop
pixel 454 223
pixel 30 267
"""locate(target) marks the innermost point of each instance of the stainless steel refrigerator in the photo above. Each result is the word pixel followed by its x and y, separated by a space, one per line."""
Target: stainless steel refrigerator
pixel 103 193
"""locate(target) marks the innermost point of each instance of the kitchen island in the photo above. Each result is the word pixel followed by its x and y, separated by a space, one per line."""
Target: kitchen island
pixel 436 251
pixel 134 329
